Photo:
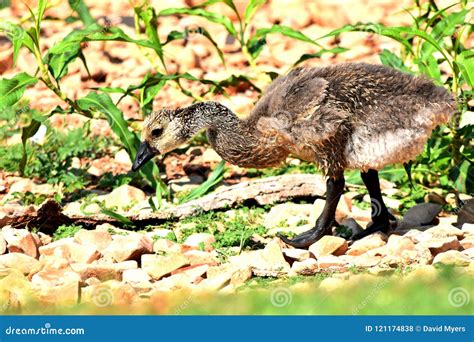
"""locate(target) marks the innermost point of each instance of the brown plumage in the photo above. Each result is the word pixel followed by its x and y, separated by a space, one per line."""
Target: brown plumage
pixel 357 116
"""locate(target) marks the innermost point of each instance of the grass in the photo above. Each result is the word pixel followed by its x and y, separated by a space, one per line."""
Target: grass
pixel 448 294
pixel 65 231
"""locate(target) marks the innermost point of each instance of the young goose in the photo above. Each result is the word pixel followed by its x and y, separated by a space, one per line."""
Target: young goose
pixel 354 115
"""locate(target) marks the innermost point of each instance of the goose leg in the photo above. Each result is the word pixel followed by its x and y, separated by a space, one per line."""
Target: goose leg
pixel 380 215
pixel 324 223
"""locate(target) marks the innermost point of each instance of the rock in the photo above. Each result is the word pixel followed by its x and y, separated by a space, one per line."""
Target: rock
pixel 21 241
pixel 442 231
pixel 122 197
pixel 129 247
pixel 186 183
pixel 103 272
pixel 109 293
pixel 270 261
pixel 367 243
pixel 396 245
pixel 159 265
pixel 19 261
pixel 49 249
pixel 468 228
pixel 328 245
pixel 214 284
pixel 420 215
pixel 440 245
pixel 97 238
pixel 366 260
pixel 344 208
pixel 467 242
pixel 3 244
pixel 296 254
pixel 305 267
pixel 50 278
pixel 77 253
pixel 200 241
pixel 240 276
pixel 200 257
pixel 381 270
pixel 426 272
pixel 45 238
pixel 469 252
pixel 331 284
pixel 210 156
pixel 454 258
pixel 61 295
pixel 122 157
pixel 135 276
pixel 165 246
pixel 332 262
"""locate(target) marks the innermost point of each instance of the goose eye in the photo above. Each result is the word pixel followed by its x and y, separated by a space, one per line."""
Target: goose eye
pixel 156 132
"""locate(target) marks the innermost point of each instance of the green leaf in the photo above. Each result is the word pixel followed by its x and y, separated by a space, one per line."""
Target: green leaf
pixel 103 103
pixel 390 59
pixel 82 11
pixel 67 50
pixel 255 44
pixel 26 133
pixel 150 19
pixel 11 90
pixel 214 178
pixel 318 54
pixel 252 8
pixel 211 16
pixel 465 63
pixel 122 219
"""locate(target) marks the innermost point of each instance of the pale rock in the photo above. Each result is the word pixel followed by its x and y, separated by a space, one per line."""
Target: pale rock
pixel 195 273
pixel 3 244
pixel 367 243
pixel 240 276
pixel 305 267
pixel 452 257
pixel 129 247
pixel 296 254
pixel 159 265
pixel 467 242
pixel 198 240
pixel 165 246
pixel 333 262
pixel 201 257
pixel 210 156
pixel 97 238
pixel 109 293
pixel 122 157
pixel 442 231
pixel 397 244
pixel 19 261
pixel 469 252
pixel 21 241
pixel 426 272
pixel 123 196
pixel 270 261
pixel 328 245
pixel 468 228
pixel 66 294
pixel 441 245
pixel 381 270
pixel 45 238
pixel 214 284
pixel 135 276
pixel 344 208
pixel 49 249
pixel 50 277
pixel 77 253
pixel 366 260
pixel 103 272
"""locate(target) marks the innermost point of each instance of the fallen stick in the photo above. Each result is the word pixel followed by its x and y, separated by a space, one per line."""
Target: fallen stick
pixel 260 191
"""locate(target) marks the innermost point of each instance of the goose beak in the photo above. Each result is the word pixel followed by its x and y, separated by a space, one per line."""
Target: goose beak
pixel 144 154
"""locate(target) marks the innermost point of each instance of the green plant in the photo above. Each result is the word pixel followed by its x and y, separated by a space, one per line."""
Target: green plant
pixel 65 231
